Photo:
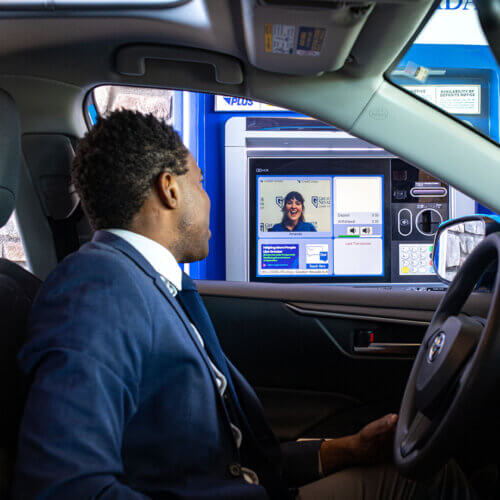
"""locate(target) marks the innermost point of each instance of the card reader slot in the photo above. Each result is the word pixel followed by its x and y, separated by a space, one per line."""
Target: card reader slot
pixel 433 192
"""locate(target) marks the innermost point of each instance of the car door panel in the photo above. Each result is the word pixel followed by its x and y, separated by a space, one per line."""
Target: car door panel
pixel 299 348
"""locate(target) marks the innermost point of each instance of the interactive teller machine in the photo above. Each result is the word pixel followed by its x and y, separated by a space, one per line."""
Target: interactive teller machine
pixel 308 203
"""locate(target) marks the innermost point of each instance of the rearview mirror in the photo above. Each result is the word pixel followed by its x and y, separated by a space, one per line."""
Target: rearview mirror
pixel 456 239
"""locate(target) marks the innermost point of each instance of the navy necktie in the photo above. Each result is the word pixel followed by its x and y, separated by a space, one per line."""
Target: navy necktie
pixel 195 308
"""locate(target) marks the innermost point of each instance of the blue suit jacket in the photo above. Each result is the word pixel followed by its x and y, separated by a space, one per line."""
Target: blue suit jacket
pixel 123 404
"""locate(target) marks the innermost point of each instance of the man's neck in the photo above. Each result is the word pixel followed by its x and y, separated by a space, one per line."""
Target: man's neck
pixel 159 256
pixel 164 238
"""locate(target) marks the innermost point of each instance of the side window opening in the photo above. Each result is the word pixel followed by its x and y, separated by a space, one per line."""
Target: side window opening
pixel 11 243
pixel 357 214
pixel 159 102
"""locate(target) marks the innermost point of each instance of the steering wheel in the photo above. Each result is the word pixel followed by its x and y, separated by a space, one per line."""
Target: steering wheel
pixel 456 368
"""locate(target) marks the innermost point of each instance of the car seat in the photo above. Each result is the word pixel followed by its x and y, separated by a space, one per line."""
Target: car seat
pixel 18 288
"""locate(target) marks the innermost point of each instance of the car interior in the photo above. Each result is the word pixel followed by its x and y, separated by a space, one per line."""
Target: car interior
pixel 347 350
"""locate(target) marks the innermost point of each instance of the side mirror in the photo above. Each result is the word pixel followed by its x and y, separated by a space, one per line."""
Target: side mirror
pixel 456 239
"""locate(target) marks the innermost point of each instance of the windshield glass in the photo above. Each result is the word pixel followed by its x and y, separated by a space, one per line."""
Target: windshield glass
pixel 451 66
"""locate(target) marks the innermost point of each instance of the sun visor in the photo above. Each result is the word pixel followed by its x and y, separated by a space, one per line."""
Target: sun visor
pixel 10 155
pixel 301 38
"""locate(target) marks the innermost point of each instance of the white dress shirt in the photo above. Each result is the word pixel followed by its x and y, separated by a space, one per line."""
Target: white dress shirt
pixel 165 264
pixel 157 255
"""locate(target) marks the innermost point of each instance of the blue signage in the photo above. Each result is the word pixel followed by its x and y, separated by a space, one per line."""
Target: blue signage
pixel 457 5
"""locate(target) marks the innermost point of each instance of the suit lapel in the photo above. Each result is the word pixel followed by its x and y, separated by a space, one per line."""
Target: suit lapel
pixel 160 284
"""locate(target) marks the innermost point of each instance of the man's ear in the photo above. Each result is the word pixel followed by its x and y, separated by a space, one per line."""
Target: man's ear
pixel 168 190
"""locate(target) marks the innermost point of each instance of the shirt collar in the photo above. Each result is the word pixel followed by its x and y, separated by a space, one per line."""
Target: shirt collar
pixel 157 255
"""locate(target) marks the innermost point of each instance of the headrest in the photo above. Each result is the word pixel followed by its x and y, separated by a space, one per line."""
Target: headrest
pixel 10 155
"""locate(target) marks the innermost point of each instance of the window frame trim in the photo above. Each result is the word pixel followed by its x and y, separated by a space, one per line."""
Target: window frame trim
pixel 86 5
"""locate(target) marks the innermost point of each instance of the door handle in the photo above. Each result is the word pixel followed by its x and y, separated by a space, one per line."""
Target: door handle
pixel 388 348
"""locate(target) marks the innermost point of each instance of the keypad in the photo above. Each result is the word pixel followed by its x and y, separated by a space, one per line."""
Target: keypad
pixel 415 259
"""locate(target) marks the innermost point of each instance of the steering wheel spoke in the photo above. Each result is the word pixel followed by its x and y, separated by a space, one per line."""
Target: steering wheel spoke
pixel 418 431
pixel 447 352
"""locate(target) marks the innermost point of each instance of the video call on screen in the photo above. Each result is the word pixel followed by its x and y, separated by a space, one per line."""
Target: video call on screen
pixel 323 218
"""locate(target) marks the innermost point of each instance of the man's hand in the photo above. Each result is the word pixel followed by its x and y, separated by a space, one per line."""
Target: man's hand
pixel 371 445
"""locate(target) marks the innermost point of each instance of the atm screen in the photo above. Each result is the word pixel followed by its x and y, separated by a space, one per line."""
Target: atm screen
pixel 319 219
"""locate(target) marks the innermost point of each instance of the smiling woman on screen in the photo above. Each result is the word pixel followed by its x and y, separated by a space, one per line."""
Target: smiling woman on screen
pixel 293 215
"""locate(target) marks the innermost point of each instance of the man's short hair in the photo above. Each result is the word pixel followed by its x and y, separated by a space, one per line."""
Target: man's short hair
pixel 117 163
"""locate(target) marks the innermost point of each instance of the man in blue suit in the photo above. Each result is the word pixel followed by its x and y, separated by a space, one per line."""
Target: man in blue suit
pixel 131 396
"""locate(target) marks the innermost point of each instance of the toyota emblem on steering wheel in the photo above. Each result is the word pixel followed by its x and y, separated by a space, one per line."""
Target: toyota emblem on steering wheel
pixel 436 347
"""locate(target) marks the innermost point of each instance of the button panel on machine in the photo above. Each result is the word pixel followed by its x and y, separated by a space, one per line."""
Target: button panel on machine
pixel 419 203
pixel 415 259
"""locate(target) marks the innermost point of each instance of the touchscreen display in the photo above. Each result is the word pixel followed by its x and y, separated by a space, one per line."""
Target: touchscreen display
pixel 323 218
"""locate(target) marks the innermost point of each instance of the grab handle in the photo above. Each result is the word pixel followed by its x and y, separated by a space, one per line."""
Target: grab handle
pixel 131 61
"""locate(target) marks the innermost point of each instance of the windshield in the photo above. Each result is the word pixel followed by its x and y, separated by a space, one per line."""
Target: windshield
pixel 451 66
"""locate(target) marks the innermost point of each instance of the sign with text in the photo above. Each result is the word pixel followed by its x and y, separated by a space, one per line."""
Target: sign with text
pixel 454 99
pixel 242 105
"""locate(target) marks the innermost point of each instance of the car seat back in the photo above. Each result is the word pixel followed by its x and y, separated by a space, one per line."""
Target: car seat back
pixel 18 288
